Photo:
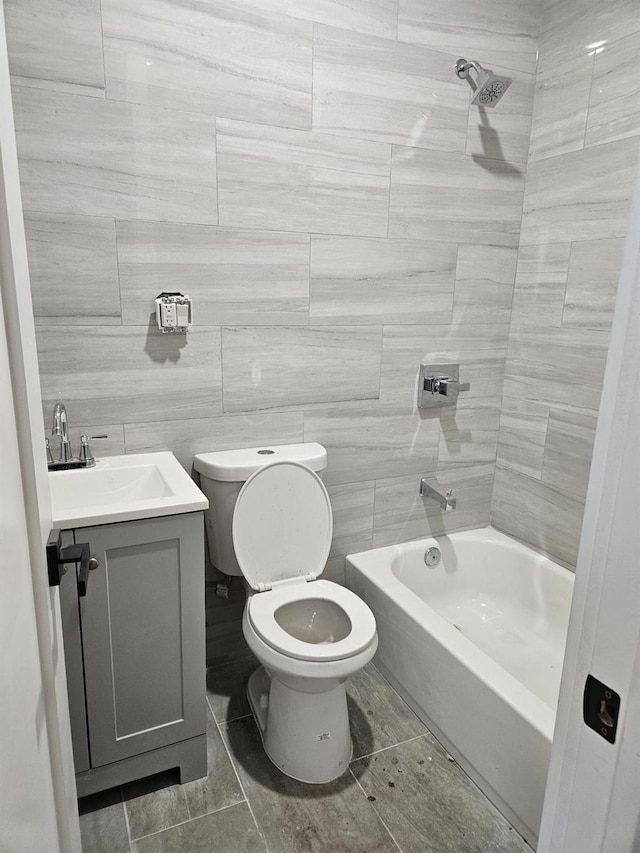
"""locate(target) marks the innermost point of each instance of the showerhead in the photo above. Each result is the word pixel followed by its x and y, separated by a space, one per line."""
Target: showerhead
pixel 489 87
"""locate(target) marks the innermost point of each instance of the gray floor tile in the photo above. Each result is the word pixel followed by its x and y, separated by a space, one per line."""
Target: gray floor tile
pixel 226 689
pixel 103 826
pixel 231 830
pixel 377 715
pixel 430 805
pixel 220 788
pixel 300 818
pixel 154 804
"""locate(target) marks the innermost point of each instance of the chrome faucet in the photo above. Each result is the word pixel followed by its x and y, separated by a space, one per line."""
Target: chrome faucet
pixel 61 427
pixel 431 488
pixel 66 459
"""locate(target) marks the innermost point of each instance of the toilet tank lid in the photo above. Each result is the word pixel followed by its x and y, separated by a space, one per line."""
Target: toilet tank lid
pixel 236 466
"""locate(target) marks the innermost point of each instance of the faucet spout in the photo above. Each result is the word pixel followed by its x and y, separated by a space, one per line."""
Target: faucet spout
pixel 61 427
pixel 431 488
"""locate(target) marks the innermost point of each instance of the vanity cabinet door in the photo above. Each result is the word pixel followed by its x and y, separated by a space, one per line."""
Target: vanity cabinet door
pixel 143 635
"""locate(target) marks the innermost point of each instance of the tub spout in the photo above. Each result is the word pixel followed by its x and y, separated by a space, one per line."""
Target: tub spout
pixel 431 488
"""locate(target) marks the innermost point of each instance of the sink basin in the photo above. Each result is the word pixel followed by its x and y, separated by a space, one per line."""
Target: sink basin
pixel 123 488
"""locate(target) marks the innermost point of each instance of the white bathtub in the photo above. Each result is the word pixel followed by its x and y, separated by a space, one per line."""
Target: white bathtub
pixel 475 646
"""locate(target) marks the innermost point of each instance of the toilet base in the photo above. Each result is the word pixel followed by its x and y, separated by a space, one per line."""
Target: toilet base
pixel 306 735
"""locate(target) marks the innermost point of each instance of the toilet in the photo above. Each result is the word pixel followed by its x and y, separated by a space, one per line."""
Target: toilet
pixel 270 520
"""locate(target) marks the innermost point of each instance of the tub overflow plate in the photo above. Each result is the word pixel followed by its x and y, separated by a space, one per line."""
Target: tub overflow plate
pixel 432 557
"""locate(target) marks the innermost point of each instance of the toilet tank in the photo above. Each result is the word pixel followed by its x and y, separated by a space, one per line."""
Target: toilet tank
pixel 222 475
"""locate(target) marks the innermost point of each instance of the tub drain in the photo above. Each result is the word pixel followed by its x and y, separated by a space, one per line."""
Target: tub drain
pixel 432 557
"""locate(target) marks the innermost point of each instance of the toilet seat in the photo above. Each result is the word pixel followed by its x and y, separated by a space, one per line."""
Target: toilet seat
pixel 261 609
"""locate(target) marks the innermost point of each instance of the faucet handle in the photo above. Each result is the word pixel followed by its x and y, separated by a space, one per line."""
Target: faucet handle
pixel 86 456
pixel 50 459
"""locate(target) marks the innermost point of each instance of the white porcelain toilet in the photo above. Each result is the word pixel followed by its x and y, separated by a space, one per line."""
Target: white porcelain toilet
pixel 270 520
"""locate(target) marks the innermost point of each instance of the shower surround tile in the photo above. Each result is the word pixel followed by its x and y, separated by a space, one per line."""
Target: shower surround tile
pixel 523 432
pixel 375 17
pixel 237 277
pixel 485 278
pixel 469 432
pixel 73 269
pixel 368 281
pixel 614 108
pixel 568 450
pixel 56 45
pixel 122 160
pixel 500 136
pixel 352 507
pixel 217 59
pixel 541 282
pixel 280 368
pixel 592 284
pixel 386 91
pixel 454 198
pixel 271 177
pixel 130 373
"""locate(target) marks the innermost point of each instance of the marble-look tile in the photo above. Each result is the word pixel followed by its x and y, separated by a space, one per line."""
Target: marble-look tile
pixel 569 449
pixel 541 281
pixel 375 17
pixel 153 804
pixel 107 158
pixel 56 45
pixel 220 788
pixel 484 284
pixel 227 689
pixel 112 445
pixel 469 431
pixel 103 825
pixel 564 366
pixel 583 195
pixel 523 432
pixel 288 367
pixel 272 177
pixel 455 198
pixel 184 438
pixel 73 269
pixel 372 281
pixel 130 373
pixel 373 442
pixel 379 717
pixel 297 817
pixel 479 348
pixel 430 805
pixel 500 135
pixel 352 506
pixel 402 514
pixel 225 642
pixel 592 284
pixel 614 108
pixel 236 277
pixel 544 516
pixel 386 91
pixel 213 58
pixel 231 830
pixel 502 34
pixel 560 108
pixel 334 571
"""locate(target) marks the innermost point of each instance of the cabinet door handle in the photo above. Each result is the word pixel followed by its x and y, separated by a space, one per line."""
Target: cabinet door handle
pixel 58 557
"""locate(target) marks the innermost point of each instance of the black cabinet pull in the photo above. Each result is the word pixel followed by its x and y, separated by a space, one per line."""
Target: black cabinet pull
pixel 58 558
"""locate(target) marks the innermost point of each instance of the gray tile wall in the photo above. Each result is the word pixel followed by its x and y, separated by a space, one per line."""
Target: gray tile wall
pixel 581 172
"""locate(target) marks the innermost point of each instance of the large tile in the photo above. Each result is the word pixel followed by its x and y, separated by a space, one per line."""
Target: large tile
pixel 568 450
pixel 184 438
pixel 376 17
pixel 614 108
pixel 544 516
pixel 220 787
pixel 231 830
pixel 469 431
pixel 103 825
pixel 225 642
pixel 402 514
pixel 430 806
pixel 56 45
pixel 352 507
pixel 484 284
pixel 130 373
pixel 213 58
pixel 301 181
pixel 592 284
pixel 73 268
pixel 386 91
pixel 501 34
pixel 296 817
pixel 523 432
pixel 583 195
pixel 454 198
pixel 541 281
pixel 243 277
pixel 106 439
pixel 270 368
pixel 107 158
pixel 363 281
pixel 498 134
pixel 227 689
pixel 154 804
pixel 373 442
pixel 379 718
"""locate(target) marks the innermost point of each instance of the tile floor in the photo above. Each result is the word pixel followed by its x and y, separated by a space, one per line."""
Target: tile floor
pixel 401 792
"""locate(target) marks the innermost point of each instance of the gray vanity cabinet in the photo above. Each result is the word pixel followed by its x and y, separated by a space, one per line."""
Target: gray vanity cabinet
pixel 136 642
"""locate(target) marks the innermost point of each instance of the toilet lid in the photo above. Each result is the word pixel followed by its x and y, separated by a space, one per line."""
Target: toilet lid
pixel 282 525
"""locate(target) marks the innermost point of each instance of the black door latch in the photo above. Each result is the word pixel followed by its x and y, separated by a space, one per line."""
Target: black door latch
pixel 58 558
pixel 601 708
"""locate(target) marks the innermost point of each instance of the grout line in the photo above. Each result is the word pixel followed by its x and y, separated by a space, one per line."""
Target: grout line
pixel 364 793
pixel 189 820
pixel 126 818
pixel 385 748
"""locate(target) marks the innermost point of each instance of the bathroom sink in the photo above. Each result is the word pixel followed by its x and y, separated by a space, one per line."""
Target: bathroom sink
pixel 123 488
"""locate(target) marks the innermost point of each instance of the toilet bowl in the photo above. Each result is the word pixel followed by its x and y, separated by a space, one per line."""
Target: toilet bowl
pixel 309 635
